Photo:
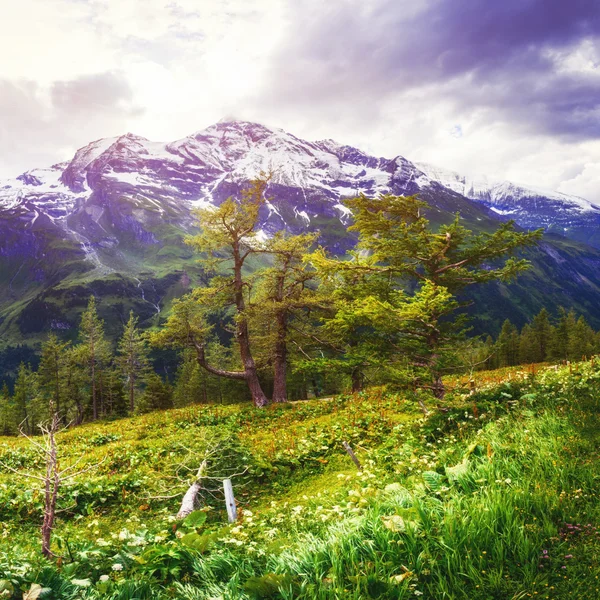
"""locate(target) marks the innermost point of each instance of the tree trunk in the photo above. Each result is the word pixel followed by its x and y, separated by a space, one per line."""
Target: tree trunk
pixel 101 394
pixel 250 373
pixel 51 484
pixel 243 335
pixel 280 360
pixel 190 499
pixel 437 389
pixel 356 380
pixel 131 393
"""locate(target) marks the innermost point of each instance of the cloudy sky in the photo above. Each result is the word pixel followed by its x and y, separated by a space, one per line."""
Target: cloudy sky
pixel 508 88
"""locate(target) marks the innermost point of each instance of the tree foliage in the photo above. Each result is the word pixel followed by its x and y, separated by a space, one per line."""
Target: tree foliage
pixel 279 318
pixel 397 294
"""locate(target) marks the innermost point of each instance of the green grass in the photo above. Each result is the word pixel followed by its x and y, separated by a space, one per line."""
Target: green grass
pixel 496 497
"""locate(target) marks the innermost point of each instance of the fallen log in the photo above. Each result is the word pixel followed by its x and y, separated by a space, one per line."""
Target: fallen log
pixel 190 499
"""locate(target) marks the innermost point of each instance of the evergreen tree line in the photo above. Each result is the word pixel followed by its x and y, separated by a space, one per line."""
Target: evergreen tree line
pixel 302 322
pixel 568 337
pixel 94 379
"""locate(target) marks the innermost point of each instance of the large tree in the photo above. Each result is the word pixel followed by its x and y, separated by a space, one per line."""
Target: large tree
pixel 282 292
pixel 410 274
pixel 227 240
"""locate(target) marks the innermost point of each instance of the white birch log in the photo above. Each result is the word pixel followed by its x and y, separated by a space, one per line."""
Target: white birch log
pixel 230 501
pixel 190 499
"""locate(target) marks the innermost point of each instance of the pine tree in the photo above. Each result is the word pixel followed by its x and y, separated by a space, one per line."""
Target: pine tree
pixel 283 292
pixel 508 345
pixel 542 331
pixel 25 394
pixel 76 382
pixel 558 348
pixel 335 341
pixel 113 393
pixel 227 240
pixel 157 395
pixel 581 340
pixel 133 359
pixel 94 351
pixel 529 351
pixel 190 382
pixel 52 378
pixel 8 425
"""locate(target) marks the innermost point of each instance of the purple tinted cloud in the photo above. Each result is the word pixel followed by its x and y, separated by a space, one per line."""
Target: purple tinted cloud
pixel 491 54
pixel 46 123
pixel 102 92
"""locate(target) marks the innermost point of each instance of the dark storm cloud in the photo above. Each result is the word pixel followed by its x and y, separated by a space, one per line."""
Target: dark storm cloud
pixel 44 123
pixel 495 54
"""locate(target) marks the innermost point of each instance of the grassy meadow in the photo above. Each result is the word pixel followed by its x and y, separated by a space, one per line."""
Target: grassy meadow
pixel 493 495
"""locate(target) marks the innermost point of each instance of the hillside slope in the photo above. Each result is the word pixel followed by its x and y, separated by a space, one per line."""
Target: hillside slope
pixel 493 498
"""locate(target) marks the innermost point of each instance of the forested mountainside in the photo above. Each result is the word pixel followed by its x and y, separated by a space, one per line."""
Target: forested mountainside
pixel 112 222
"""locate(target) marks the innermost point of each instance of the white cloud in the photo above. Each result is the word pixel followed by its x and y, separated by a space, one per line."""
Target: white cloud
pixel 585 184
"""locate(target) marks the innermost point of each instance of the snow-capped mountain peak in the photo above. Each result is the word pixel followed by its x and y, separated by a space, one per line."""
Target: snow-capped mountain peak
pixel 309 180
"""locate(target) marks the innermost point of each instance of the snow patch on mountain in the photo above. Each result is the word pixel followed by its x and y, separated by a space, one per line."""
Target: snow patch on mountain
pixel 494 192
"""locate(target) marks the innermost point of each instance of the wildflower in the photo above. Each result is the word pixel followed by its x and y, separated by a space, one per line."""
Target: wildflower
pixel 117 567
pixel 104 578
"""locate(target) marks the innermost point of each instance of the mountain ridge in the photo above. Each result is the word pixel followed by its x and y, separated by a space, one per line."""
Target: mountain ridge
pixel 220 153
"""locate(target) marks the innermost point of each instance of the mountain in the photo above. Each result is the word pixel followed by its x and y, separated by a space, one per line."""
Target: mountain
pixel 112 222
pixel 569 216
